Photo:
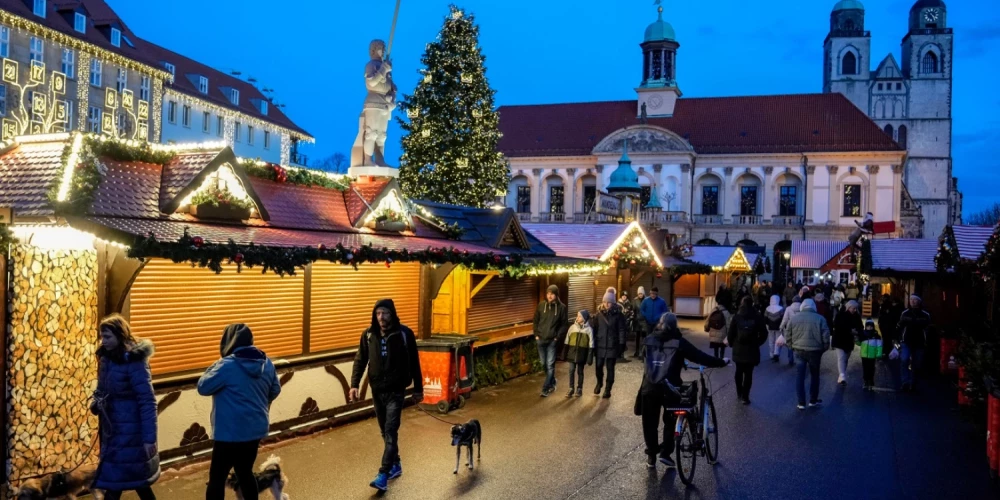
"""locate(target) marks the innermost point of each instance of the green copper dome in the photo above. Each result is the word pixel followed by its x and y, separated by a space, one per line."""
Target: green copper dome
pixel 654 199
pixel 659 30
pixel 624 179
pixel 848 5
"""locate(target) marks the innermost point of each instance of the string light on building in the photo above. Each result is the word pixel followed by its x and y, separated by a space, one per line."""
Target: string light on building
pixel 233 116
pixel 69 167
pixel 82 90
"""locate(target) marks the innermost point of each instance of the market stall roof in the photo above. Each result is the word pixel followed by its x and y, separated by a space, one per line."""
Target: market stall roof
pixel 971 240
pixel 720 258
pixel 589 241
pixel 903 256
pixel 814 254
pixel 497 228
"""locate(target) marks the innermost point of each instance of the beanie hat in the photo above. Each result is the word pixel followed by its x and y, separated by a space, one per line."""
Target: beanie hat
pixel 609 296
pixel 870 323
pixel 798 298
pixel 554 289
pixel 820 297
pixel 917 298
pixel 641 291
pixel 804 289
pixel 586 315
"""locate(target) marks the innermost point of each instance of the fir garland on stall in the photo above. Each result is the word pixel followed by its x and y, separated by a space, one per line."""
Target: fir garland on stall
pixel 989 261
pixel 947 257
pixel 294 176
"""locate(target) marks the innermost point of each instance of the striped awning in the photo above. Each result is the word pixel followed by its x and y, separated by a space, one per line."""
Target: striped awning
pixel 971 240
pixel 904 255
pixel 813 254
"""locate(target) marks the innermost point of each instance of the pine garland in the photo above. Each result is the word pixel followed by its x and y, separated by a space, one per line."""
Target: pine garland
pixel 452 127
pixel 989 262
pixel 294 176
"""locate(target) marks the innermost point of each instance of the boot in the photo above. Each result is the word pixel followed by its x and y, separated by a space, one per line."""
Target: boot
pixel 570 393
pixel 579 391
pixel 597 390
pixel 607 392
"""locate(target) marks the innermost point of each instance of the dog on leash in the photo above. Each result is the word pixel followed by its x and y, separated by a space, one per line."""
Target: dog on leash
pixel 466 435
pixel 59 485
pixel 269 477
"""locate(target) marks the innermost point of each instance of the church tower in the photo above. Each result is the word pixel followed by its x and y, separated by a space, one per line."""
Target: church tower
pixel 847 54
pixel 658 91
pixel 927 66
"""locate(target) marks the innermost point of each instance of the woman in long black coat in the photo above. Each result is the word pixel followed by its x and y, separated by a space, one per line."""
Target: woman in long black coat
pixel 845 331
pixel 610 328
pixel 126 410
pixel 747 332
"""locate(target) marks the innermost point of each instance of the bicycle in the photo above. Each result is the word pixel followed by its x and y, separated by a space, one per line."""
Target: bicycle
pixel 692 437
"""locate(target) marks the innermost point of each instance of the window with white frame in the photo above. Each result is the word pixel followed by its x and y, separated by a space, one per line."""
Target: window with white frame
pixel 94 119
pixel 39 8
pixel 95 72
pixel 144 88
pixel 234 96
pixel 69 63
pixel 250 134
pixel 220 126
pixel 37 50
pixel 121 123
pixel 4 41
pixel 122 80
pixel 172 111
pixel 206 121
pixel 3 100
pixel 263 108
pixel 236 132
pixel 186 116
pixel 170 67
pixel 267 140
pixel 70 116
pixel 116 37
pixel 80 22
pixel 203 84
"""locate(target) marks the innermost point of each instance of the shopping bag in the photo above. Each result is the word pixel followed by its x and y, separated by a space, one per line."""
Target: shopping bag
pixel 779 342
pixel 894 355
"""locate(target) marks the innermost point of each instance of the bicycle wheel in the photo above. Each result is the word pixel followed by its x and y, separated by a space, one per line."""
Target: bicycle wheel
pixel 686 451
pixel 711 434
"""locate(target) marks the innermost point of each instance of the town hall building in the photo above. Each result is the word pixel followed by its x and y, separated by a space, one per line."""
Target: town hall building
pixel 756 170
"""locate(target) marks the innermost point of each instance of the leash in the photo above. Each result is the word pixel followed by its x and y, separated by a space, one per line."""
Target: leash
pixel 435 417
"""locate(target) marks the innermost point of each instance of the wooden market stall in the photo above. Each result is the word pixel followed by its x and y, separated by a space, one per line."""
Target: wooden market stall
pixel 694 294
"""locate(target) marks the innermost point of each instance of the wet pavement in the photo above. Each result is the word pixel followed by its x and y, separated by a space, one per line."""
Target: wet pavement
pixel 858 445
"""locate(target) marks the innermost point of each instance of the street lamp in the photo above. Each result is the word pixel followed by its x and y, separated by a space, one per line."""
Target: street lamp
pixel 788 267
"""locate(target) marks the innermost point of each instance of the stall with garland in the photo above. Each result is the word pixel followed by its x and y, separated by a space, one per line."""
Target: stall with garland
pixel 183 240
pixel 694 292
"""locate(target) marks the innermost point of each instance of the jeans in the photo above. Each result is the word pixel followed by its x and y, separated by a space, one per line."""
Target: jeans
pixel 868 370
pixel 810 360
pixel 577 370
pixel 744 379
pixel 909 362
pixel 772 337
pixel 547 355
pixel 842 358
pixel 652 404
pixel 238 457
pixel 144 494
pixel 720 351
pixel 600 363
pixel 388 409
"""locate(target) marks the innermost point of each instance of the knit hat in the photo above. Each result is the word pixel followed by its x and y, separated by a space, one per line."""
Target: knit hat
pixel 553 289
pixel 820 297
pixel 797 299
pixel 804 289
pixel 586 315
pixel 609 296
pixel 854 304
pixel 641 291
pixel 917 298
pixel 870 322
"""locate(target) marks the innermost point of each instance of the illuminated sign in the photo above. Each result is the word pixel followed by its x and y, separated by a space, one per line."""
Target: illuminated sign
pixel 10 129
pixel 58 83
pixel 37 74
pixel 142 131
pixel 128 99
pixel 10 71
pixel 110 98
pixel 62 111
pixel 143 112
pixel 108 123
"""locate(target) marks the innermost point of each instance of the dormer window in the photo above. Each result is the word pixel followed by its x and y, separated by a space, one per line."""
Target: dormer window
pixel 203 84
pixel 116 37
pixel 234 96
pixel 169 67
pixel 80 22
pixel 263 108
pixel 39 8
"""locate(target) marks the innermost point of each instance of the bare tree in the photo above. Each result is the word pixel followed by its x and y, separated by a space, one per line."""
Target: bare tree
pixel 336 163
pixel 989 216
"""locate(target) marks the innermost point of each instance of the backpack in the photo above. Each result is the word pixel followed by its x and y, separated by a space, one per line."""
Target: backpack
pixel 746 330
pixel 717 320
pixel 658 359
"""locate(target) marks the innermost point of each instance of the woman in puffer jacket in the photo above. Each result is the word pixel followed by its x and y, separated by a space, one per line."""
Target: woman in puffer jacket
pixel 126 410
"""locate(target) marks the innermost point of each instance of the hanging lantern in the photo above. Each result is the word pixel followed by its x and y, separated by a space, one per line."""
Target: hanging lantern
pixel 428 78
pixel 477 114
pixel 466 78
pixel 425 133
pixel 412 113
pixel 462 162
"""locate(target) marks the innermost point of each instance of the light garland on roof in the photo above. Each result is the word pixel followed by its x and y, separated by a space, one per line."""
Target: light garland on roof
pixel 542 270
pixel 65 238
pixel 633 227
pixel 166 148
pixel 65 40
pixel 237 115
pixel 69 168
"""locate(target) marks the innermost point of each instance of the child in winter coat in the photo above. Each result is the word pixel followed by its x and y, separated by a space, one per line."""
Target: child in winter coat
pixel 579 345
pixel 871 350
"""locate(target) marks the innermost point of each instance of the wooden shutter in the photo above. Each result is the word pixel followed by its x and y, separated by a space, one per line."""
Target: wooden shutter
pixel 183 310
pixel 342 300
pixel 581 293
pixel 503 302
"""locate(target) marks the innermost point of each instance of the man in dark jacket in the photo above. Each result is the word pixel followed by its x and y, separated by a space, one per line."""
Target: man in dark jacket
pixel 790 293
pixel 912 331
pixel 666 351
pixel 389 351
pixel 652 308
pixel 550 323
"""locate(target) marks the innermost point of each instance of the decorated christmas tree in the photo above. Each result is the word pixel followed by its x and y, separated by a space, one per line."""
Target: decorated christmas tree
pixel 451 127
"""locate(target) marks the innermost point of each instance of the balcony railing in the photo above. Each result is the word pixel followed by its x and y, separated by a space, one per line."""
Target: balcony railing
pixel 551 217
pixel 787 220
pixel 707 219
pixel 299 159
pixel 748 220
pixel 661 217
pixel 524 216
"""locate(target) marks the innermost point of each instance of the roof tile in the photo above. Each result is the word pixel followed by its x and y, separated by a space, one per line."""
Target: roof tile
pixel 360 195
pixel 574 240
pixel 179 173
pixel 302 207
pixel 26 175
pixel 128 190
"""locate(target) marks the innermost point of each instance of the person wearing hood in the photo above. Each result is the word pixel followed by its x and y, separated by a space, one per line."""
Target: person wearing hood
pixel 809 335
pixel 912 331
pixel 666 352
pixel 550 323
pixel 790 313
pixel 579 350
pixel 772 318
pixel 242 383
pixel 846 332
pixel 388 350
pixel 652 308
pixel 609 340
pixel 126 411
pixel 747 332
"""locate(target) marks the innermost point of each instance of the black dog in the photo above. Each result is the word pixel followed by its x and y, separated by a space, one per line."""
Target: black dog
pixel 467 435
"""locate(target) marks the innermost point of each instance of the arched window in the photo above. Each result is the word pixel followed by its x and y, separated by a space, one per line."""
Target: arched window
pixel 930 63
pixel 902 136
pixel 888 131
pixel 849 64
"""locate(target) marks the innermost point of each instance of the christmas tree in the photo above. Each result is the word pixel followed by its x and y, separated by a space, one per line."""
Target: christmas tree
pixel 451 127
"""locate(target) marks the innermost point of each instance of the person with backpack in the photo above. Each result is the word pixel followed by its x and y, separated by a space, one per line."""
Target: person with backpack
pixel 747 332
pixel 871 351
pixel 666 352
pixel 579 350
pixel 717 325
pixel 772 318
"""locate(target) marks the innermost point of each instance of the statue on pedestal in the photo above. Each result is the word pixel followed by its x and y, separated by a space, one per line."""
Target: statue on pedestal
pixel 369 147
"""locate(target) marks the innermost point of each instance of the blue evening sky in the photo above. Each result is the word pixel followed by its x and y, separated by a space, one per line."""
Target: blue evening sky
pixel 550 51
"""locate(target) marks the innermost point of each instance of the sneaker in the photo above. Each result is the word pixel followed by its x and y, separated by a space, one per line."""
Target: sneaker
pixel 545 393
pixel 669 462
pixel 651 462
pixel 381 482
pixel 801 406
pixel 816 403
pixel 396 470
